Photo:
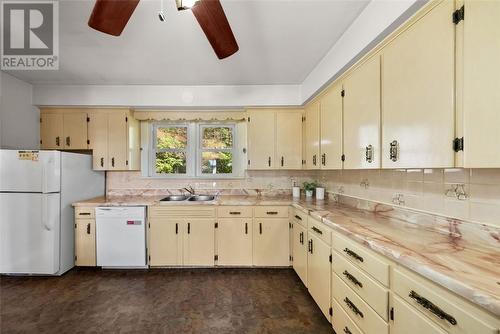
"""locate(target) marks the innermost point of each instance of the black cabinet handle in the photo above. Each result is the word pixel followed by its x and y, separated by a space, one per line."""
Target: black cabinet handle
pixel 310 242
pixel 272 212
pixel 269 161
pixel 113 162
pixel 176 228
pixel 88 228
pixel 189 228
pixel 353 254
pixel 317 230
pixel 433 308
pixel 353 307
pixel 346 330
pixel 260 228
pixel 246 228
pixel 102 162
pixel 234 213
pixel 323 159
pixel 57 141
pixel 351 278
pixel 298 217
pixel 68 141
pixel 282 161
pixel 314 160
pixel 301 238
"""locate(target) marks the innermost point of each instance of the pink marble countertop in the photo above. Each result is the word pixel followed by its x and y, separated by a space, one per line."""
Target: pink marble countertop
pixel 460 256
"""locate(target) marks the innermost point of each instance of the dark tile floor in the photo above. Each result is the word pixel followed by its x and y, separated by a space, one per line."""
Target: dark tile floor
pixel 160 301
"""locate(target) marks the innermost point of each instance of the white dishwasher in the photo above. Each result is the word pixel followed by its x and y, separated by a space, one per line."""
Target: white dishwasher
pixel 121 237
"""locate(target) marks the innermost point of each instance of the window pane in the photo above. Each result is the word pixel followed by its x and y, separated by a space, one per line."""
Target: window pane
pixel 217 137
pixel 216 163
pixel 173 138
pixel 171 163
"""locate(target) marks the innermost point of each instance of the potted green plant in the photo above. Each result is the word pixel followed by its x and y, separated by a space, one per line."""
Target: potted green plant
pixel 309 188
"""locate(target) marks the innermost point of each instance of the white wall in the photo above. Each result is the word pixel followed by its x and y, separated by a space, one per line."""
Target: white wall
pixel 19 119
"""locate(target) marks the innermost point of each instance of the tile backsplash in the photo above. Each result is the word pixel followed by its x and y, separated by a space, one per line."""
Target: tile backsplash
pixel 468 194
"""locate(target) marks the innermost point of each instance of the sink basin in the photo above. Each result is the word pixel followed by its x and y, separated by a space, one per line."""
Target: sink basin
pixel 201 198
pixel 174 198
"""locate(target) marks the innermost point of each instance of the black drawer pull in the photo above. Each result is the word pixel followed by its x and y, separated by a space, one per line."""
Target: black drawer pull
pixel 298 217
pixel 176 228
pixel 301 238
pixel 246 228
pixel 427 304
pixel 353 254
pixel 260 228
pixel 353 279
pixel 317 230
pixel 234 213
pixel 84 214
pixel 310 246
pixel 272 212
pixel 353 307
pixel 88 228
pixel 189 228
pixel 346 330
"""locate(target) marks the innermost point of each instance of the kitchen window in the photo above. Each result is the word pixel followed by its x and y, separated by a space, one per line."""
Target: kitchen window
pixel 195 150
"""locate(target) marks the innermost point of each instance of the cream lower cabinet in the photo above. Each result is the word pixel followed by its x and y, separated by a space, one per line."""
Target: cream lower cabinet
pixel 234 241
pixel 418 83
pixel 407 320
pixel 199 242
pixel 299 242
pixel 271 242
pixel 319 273
pixel 165 242
pixel 85 243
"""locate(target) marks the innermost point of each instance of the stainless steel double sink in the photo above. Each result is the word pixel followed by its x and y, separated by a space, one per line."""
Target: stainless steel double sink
pixel 190 198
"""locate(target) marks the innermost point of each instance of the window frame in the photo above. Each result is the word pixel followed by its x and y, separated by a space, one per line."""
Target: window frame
pixel 200 149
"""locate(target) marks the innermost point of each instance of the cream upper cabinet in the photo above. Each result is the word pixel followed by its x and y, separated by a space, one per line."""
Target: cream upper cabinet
pixel 418 93
pixel 331 128
pixel 199 242
pixel 261 139
pixel 478 83
pixel 299 242
pixel 289 139
pixel 275 138
pixel 362 116
pixel 117 140
pixel 234 241
pixel 312 129
pixel 75 130
pixel 319 272
pixel 98 139
pixel 165 241
pixel 270 242
pixel 51 131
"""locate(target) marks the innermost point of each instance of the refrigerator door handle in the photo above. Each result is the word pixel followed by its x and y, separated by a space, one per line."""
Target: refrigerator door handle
pixel 45 214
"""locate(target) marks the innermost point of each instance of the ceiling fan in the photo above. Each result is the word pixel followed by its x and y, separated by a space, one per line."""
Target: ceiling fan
pixel 111 17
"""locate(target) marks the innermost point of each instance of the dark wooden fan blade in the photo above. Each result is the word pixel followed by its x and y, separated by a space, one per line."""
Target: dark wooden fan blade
pixel 111 16
pixel 213 21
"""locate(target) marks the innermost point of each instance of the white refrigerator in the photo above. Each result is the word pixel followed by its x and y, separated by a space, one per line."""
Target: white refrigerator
pixel 37 189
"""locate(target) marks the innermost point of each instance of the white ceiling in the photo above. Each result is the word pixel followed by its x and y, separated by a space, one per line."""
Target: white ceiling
pixel 280 41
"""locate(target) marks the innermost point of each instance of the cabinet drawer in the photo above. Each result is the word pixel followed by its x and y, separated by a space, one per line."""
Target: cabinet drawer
pixel 447 310
pixel 341 322
pixel 182 211
pixel 299 216
pixel 373 293
pixel 362 257
pixel 359 311
pixel 320 230
pixel 84 212
pixel 235 211
pixel 271 211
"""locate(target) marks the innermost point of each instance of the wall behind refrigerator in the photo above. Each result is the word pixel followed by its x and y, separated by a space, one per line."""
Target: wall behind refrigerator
pixel 19 119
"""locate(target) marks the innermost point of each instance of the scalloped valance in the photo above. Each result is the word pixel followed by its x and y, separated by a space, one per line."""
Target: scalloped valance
pixel 192 116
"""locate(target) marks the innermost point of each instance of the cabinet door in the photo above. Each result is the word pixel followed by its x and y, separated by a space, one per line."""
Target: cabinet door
pixel 312 136
pixel 331 128
pixel 481 83
pixel 165 242
pixel 271 242
pixel 362 116
pixel 75 131
pixel 85 242
pixel 300 252
pixel 199 242
pixel 262 139
pixel 51 131
pixel 117 140
pixel 234 242
pixel 98 138
pixel 289 140
pixel 318 273
pixel 418 93
pixel 408 320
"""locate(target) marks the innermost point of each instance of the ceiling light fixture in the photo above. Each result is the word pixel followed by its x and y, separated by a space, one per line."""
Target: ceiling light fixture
pixel 185 4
